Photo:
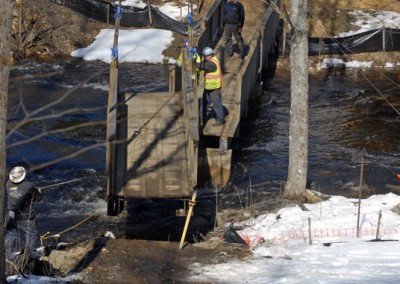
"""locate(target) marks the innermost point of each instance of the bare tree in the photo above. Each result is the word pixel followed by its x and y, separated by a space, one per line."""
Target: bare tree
pixel 6 8
pixel 298 130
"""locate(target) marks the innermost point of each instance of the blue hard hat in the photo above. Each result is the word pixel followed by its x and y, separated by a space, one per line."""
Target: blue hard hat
pixel 208 51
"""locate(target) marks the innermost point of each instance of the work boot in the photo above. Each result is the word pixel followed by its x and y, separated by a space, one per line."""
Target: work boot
pixel 218 123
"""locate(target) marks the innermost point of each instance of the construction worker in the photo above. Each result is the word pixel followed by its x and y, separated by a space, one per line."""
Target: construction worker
pixel 20 223
pixel 178 62
pixel 195 54
pixel 212 87
pixel 233 20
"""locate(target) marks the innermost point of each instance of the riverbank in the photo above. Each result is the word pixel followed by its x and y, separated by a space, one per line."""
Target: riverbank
pixel 50 30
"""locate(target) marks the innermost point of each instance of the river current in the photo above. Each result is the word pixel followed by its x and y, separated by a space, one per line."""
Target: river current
pixel 348 120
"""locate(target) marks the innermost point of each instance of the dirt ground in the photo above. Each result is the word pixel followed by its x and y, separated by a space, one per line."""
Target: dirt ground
pixel 143 261
pixel 107 260
pixel 103 260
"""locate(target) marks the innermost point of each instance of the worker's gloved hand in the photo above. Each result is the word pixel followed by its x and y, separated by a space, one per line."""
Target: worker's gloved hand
pixel 12 214
pixel 9 219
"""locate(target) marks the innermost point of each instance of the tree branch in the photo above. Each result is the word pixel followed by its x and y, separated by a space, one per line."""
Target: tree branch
pixel 56 115
pixel 28 115
pixel 36 137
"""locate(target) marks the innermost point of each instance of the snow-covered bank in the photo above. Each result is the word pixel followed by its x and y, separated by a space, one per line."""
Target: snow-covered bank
pixel 336 255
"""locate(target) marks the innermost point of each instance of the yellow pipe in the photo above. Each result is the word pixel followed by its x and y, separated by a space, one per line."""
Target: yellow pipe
pixel 192 203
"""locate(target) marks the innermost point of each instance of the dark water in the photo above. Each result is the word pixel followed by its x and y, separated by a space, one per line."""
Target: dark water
pixel 348 120
pixel 34 85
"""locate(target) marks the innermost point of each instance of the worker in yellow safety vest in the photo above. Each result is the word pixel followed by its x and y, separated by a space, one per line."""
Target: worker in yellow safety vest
pixel 192 54
pixel 212 87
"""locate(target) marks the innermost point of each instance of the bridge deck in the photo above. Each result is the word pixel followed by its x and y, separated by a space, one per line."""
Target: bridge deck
pixel 231 67
pixel 156 158
pixel 157 161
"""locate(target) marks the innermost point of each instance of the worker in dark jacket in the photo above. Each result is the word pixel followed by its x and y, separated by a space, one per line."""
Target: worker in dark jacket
pixel 233 19
pixel 20 224
pixel 212 87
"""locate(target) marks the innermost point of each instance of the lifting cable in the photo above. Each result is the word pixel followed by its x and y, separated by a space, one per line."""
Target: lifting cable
pixel 137 132
pixel 45 237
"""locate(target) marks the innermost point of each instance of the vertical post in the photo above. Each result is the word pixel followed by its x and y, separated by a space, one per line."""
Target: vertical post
pixel 384 39
pixel 150 18
pixel 320 47
pixel 193 60
pixel 216 207
pixel 379 225
pixel 108 14
pixel 19 42
pixel 309 231
pixel 180 9
pixel 193 108
pixel 172 74
pixel 111 149
pixel 359 197
pixel 284 43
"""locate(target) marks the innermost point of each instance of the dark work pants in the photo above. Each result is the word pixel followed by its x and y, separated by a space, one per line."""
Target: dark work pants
pixel 21 234
pixel 213 96
pixel 232 29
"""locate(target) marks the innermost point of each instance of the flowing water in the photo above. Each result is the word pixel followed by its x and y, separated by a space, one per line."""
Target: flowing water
pixel 348 120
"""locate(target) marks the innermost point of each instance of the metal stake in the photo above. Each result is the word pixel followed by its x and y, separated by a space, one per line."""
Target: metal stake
pixel 359 197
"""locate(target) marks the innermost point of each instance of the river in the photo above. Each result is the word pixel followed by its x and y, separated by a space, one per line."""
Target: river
pixel 348 120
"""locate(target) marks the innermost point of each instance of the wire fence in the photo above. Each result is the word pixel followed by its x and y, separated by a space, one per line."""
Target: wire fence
pixel 383 39
pixel 131 16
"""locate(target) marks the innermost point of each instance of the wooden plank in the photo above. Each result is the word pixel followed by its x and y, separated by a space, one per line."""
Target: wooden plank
pixel 220 166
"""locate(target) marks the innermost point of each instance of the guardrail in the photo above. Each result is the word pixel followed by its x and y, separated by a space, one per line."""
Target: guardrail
pixel 211 28
pixel 261 44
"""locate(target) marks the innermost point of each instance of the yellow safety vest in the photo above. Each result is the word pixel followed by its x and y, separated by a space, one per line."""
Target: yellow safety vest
pixel 213 80
pixel 179 61
pixel 198 60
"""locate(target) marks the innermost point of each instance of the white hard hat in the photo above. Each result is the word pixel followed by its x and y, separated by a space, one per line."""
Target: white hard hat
pixel 17 174
pixel 208 51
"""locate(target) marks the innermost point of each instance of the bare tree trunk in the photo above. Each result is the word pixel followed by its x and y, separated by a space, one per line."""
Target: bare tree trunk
pixel 298 132
pixel 6 8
